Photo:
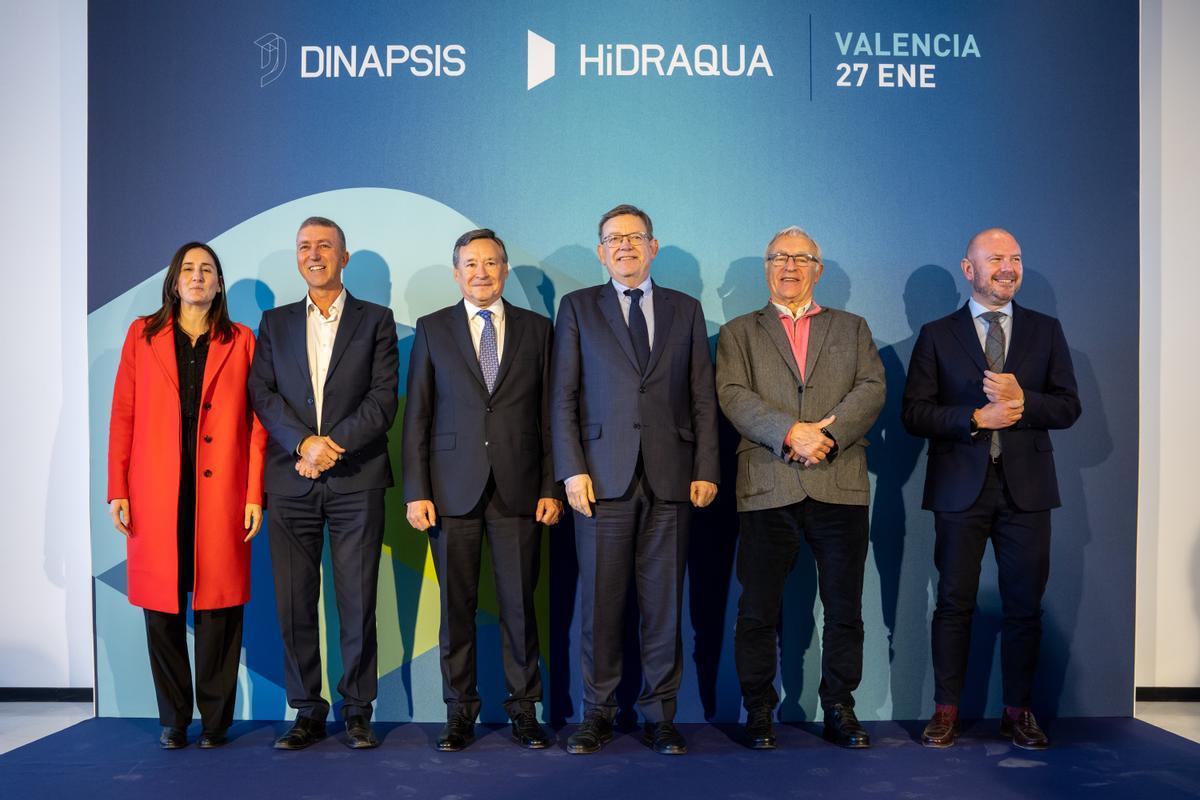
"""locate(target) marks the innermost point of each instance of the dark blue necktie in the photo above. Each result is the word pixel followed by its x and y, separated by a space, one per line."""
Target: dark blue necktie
pixel 638 331
pixel 489 361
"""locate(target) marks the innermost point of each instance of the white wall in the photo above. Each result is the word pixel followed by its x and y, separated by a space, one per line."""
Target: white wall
pixel 1168 600
pixel 45 585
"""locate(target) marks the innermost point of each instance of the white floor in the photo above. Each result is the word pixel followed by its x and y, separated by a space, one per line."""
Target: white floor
pixel 21 723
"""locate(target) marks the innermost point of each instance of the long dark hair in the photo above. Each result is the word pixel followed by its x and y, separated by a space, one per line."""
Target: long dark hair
pixel 218 313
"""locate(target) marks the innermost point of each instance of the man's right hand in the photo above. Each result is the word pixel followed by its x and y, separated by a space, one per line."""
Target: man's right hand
pixel 995 416
pixel 421 514
pixel 320 452
pixel 580 494
pixel 119 508
pixel 805 442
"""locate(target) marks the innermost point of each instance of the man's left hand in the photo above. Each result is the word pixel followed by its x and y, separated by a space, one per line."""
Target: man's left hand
pixel 549 510
pixel 1002 387
pixel 703 493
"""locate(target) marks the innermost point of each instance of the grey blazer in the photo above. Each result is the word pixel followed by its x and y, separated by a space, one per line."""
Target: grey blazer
pixel 759 390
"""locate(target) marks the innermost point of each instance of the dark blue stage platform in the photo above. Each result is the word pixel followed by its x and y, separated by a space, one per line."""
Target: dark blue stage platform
pixel 1094 758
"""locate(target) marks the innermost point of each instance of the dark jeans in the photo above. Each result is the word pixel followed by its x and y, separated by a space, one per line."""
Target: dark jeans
pixel 1021 540
pixel 515 544
pixel 770 541
pixel 296 529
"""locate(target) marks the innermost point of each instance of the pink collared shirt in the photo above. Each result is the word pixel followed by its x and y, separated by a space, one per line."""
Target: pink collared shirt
pixel 796 329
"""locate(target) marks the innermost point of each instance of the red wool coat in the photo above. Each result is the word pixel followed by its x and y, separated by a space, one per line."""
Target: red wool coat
pixel 144 464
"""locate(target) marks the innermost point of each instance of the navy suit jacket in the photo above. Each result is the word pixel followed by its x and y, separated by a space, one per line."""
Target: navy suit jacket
pixel 604 410
pixel 456 434
pixel 359 403
pixel 945 386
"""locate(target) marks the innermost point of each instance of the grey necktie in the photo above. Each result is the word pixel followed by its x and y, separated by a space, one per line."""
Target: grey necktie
pixel 993 351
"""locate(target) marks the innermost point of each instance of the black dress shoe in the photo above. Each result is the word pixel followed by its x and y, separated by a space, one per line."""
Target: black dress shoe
pixel 594 732
pixel 457 734
pixel 528 733
pixel 843 729
pixel 760 733
pixel 172 738
pixel 304 732
pixel 1024 730
pixel 359 734
pixel 665 738
pixel 210 740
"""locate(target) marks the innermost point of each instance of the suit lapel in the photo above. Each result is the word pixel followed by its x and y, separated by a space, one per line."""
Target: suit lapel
pixel 296 337
pixel 514 327
pixel 460 333
pixel 610 307
pixel 1022 339
pixel 964 330
pixel 768 319
pixel 664 315
pixel 818 329
pixel 352 314
pixel 163 347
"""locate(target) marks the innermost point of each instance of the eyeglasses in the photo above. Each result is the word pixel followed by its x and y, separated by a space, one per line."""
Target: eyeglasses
pixel 617 239
pixel 802 260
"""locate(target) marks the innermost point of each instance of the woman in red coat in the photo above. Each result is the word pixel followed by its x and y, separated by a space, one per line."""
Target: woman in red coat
pixel 185 468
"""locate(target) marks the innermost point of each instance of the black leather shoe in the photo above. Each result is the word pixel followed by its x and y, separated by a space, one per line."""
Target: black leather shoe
pixel 594 732
pixel 172 738
pixel 457 734
pixel 210 740
pixel 760 733
pixel 359 734
pixel 528 733
pixel 843 729
pixel 665 738
pixel 943 728
pixel 1024 730
pixel 304 732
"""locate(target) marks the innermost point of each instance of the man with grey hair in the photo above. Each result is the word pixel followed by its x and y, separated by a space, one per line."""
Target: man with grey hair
pixel 802 384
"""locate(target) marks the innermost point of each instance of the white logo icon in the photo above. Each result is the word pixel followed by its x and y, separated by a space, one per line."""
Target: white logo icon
pixel 272 57
pixel 541 60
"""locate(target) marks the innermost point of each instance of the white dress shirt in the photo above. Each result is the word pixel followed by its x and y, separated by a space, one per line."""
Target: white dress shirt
pixel 981 325
pixel 475 323
pixel 647 304
pixel 321 333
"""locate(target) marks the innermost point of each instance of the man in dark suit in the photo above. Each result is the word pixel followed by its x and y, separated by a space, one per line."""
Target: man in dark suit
pixel 985 386
pixel 634 425
pixel 803 385
pixel 324 383
pixel 476 462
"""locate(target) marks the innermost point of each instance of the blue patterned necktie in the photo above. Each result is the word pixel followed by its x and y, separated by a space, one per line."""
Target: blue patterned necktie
pixel 489 360
pixel 639 332
pixel 993 351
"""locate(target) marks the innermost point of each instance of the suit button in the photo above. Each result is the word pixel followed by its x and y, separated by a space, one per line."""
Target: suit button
pixel 208 473
pixel 207 406
pixel 488 409
pixel 208 440
pixel 637 426
pixel 310 401
pixel 485 444
pixel 642 390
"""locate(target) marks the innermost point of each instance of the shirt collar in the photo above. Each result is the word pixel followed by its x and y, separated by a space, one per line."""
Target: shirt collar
pixel 978 308
pixel 335 308
pixel 806 311
pixel 647 287
pixel 497 309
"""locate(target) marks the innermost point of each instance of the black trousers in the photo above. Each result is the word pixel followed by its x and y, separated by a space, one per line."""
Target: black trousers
pixel 642 538
pixel 515 543
pixel 218 636
pixel 770 542
pixel 1021 541
pixel 296 529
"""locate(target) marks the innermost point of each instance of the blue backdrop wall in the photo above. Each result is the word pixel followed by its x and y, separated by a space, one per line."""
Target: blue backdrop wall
pixel 890 131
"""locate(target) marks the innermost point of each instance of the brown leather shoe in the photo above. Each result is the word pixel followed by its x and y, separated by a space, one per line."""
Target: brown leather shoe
pixel 1019 725
pixel 943 729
